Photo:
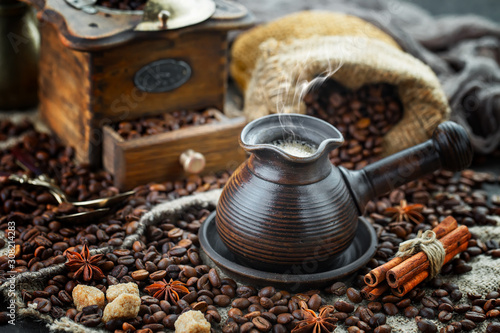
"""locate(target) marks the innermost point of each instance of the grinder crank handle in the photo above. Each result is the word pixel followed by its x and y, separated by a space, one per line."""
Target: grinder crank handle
pixel 449 148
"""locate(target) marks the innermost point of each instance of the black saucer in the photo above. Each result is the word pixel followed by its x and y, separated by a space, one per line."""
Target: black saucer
pixel 349 261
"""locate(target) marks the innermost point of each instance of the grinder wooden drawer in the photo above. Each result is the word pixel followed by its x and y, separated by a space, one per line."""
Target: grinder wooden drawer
pixel 157 158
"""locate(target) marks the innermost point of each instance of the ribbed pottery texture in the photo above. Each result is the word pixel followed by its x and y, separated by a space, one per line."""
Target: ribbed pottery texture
pixel 282 225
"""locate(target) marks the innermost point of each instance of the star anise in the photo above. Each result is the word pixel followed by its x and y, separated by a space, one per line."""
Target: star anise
pixel 169 291
pixel 405 212
pixel 313 323
pixel 83 264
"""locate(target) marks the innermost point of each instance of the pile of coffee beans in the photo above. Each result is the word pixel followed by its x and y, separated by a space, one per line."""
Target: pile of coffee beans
pixel 40 238
pixel 165 251
pixel 9 129
pixel 123 4
pixel 363 117
pixel 167 122
pixel 170 250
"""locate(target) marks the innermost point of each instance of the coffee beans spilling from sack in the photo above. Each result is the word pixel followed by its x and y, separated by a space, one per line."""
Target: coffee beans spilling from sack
pixel 285 69
pixel 363 116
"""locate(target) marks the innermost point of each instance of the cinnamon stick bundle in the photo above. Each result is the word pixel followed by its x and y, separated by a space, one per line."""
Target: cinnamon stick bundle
pixel 418 263
pixel 402 290
pixel 378 275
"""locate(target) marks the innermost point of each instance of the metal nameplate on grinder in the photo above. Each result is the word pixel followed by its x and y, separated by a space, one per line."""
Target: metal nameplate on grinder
pixel 162 75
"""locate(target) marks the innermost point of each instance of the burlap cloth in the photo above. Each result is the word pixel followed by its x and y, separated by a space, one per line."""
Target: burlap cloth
pixel 484 277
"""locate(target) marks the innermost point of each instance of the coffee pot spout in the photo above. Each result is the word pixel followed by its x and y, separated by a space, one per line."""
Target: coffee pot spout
pixel 449 148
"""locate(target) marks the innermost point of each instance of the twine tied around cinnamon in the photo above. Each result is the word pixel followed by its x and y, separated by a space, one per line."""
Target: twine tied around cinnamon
pixel 428 243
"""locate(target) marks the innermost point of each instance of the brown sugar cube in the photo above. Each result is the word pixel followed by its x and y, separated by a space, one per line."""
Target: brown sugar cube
pixel 123 307
pixel 192 322
pixel 86 295
pixel 122 288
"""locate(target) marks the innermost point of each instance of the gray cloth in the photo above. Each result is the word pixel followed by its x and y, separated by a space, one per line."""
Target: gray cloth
pixel 462 50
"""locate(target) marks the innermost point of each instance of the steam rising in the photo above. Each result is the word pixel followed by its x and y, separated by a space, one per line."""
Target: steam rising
pixel 300 86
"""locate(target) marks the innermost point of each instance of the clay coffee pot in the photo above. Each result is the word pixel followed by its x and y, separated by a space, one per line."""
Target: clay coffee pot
pixel 282 208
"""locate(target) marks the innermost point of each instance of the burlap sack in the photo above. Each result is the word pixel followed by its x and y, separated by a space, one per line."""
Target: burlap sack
pixel 245 50
pixel 285 70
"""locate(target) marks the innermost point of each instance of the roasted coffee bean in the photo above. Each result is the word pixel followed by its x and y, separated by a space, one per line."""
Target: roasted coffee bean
pixel 222 300
pixel 341 316
pixel 271 317
pixel 245 291
pixel 353 329
pixel 456 295
pixel 140 275
pixel 439 293
pixel 279 309
pixel 91 320
pixel 230 327
pixel 246 327
pixel 390 309
pixel 364 326
pixel 262 324
pixel 284 318
pixel 493 327
pixel 354 295
pixel 462 308
pixel 493 313
pixel 457 326
pixel 365 314
pixel 383 329
pixel 467 324
pixel 411 312
pixel 477 309
pixel 479 302
pixel 338 288
pixel 351 321
pixel 391 299
pixel 237 315
pixel 445 316
pixel 490 304
pixel 428 313
pixel 343 306
pixel 154 327
pixel 404 303
pixel 375 306
pixel 475 316
pixel 256 307
pixel 426 326
pixel 267 292
pixel 429 302
pixel 377 319
pixel 315 302
pixel 445 307
pixel 42 304
pixel 228 291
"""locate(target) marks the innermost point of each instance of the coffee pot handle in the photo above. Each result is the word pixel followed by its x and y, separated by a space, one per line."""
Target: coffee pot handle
pixel 449 148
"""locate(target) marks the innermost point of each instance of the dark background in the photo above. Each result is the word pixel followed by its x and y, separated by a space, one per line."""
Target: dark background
pixel 487 8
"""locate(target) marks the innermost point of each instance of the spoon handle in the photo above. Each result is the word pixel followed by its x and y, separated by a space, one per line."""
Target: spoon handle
pixel 449 148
